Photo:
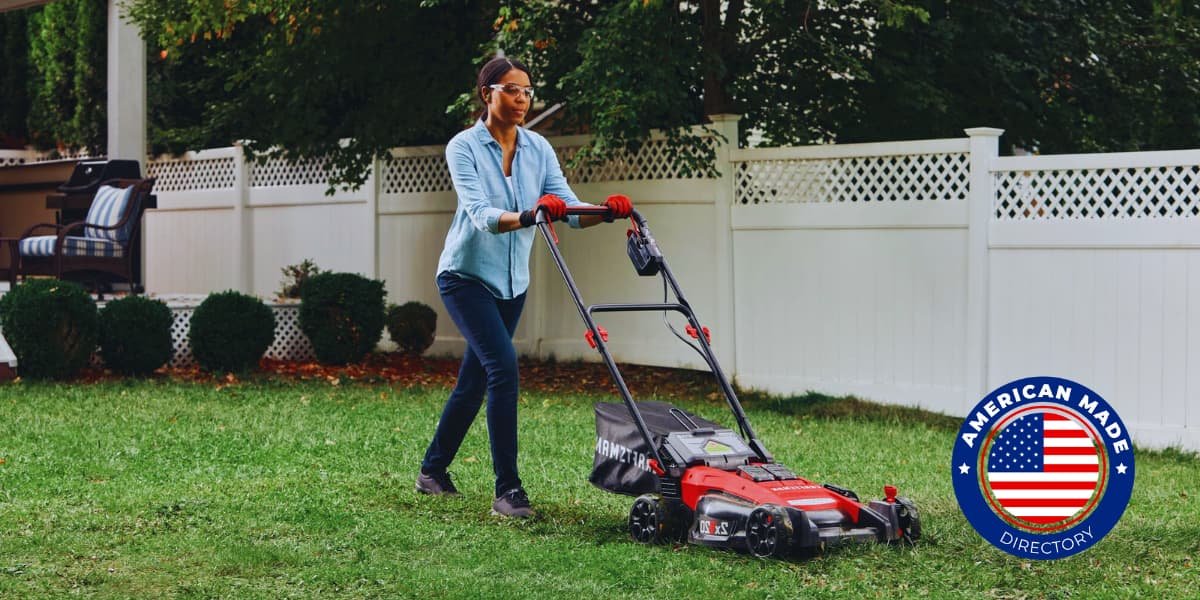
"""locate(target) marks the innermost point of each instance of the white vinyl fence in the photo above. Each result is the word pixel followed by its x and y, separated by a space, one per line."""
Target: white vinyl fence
pixel 920 273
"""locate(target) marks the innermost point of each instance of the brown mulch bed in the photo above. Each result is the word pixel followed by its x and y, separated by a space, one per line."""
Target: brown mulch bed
pixel 407 371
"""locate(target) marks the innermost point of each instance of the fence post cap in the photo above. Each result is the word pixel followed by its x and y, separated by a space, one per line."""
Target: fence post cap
pixel 984 132
pixel 723 117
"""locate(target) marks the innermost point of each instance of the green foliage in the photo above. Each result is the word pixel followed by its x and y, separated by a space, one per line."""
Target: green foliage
pixel 230 331
pixel 412 326
pixel 294 277
pixel 1057 75
pixel 135 335
pixel 659 95
pixel 67 69
pixel 14 77
pixel 797 67
pixel 626 68
pixel 89 83
pixel 304 76
pixel 51 326
pixel 1060 76
pixel 605 62
pixel 342 315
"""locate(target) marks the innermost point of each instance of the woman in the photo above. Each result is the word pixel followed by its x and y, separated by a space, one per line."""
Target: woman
pixel 502 174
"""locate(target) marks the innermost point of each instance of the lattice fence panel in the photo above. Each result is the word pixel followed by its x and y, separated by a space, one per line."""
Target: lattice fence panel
pixel 651 161
pixel 178 175
pixel 904 178
pixel 416 175
pixel 67 155
pixel 1131 193
pixel 278 171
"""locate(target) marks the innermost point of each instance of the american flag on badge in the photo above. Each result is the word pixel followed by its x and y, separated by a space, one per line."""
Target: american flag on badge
pixel 1044 468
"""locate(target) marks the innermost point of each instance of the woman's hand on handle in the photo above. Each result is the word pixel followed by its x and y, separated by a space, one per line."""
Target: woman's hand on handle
pixel 619 207
pixel 555 207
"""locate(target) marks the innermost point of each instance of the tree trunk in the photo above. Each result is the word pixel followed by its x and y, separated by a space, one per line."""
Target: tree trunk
pixel 716 50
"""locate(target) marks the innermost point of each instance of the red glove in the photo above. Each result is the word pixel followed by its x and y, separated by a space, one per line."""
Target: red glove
pixel 556 208
pixel 619 206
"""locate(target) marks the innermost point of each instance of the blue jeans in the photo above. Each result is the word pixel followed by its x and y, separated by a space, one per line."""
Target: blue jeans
pixel 489 364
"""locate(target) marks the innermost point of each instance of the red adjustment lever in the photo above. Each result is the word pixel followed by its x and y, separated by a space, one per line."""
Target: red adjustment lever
pixel 656 468
pixel 889 494
pixel 591 338
pixel 692 332
pixel 553 234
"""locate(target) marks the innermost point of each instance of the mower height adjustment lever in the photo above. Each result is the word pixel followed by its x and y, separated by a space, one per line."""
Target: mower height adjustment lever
pixel 591 337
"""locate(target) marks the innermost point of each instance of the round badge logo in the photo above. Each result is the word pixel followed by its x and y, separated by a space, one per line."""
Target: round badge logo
pixel 1043 468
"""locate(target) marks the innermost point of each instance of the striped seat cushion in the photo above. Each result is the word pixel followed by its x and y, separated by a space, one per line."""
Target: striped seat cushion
pixel 43 245
pixel 108 206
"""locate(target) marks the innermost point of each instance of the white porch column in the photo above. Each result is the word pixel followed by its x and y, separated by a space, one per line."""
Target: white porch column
pixel 126 87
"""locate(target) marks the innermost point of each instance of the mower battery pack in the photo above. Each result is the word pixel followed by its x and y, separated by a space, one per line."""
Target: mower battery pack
pixel 717 448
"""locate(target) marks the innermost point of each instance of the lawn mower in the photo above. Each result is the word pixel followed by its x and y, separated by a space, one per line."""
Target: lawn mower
pixel 697 481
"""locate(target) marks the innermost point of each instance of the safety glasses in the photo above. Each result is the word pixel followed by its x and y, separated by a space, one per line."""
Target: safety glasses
pixel 513 89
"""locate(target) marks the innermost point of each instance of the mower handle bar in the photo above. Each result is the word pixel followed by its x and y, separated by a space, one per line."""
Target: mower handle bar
pixel 590 209
pixel 639 227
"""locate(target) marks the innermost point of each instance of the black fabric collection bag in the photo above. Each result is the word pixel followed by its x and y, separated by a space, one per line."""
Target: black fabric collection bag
pixel 621 463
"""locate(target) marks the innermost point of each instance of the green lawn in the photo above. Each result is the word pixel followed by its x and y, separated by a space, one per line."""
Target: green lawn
pixel 158 489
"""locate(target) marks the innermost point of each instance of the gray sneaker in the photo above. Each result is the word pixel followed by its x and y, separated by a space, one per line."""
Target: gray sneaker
pixel 436 484
pixel 513 503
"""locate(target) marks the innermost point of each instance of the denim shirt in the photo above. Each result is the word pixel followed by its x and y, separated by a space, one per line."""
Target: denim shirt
pixel 474 247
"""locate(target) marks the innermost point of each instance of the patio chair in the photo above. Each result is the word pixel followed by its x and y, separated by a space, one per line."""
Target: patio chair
pixel 94 250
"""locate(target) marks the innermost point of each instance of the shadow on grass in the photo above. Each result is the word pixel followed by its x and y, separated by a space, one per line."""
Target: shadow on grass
pixel 820 406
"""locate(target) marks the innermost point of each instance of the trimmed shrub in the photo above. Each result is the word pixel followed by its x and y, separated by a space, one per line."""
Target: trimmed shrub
pixel 294 277
pixel 51 326
pixel 230 331
pixel 135 335
pixel 342 315
pixel 412 326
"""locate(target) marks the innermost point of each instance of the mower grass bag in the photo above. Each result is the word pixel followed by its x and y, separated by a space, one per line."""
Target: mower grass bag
pixel 620 465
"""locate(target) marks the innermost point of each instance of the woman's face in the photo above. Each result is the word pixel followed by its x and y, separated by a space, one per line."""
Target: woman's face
pixel 505 106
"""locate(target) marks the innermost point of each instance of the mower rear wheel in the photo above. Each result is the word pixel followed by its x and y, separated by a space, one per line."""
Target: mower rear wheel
pixel 767 532
pixel 646 520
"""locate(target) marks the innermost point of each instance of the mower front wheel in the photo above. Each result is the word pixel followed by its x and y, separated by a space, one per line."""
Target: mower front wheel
pixel 768 531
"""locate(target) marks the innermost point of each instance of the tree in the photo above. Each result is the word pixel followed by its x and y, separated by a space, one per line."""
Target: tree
pixel 67 75
pixel 305 75
pixel 14 75
pixel 1057 75
pixel 625 68
pixel 1072 75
